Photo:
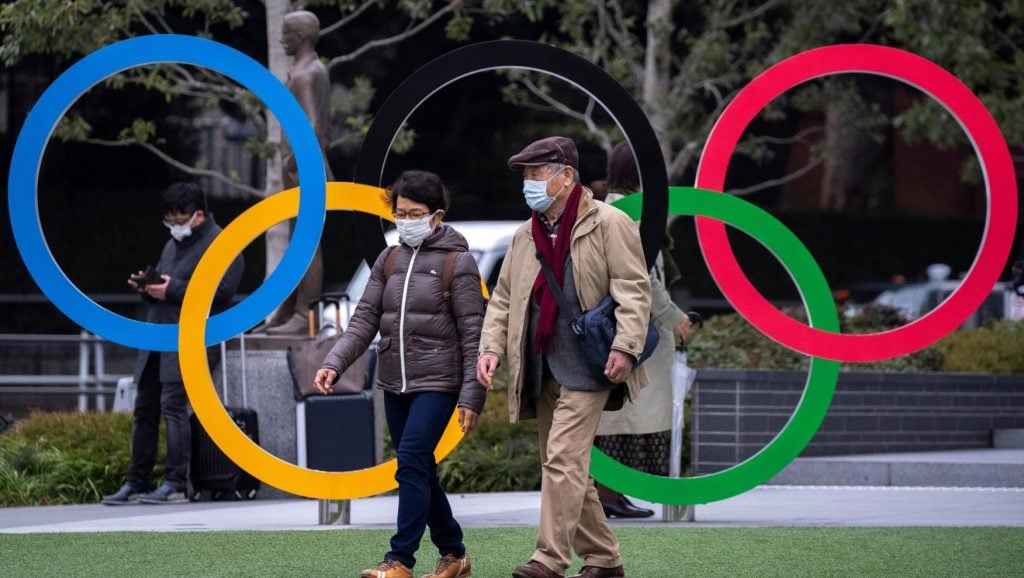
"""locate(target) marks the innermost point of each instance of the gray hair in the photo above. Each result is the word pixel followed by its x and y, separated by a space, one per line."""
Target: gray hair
pixel 555 167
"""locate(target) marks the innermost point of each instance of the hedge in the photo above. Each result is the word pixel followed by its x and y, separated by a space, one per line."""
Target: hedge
pixel 67 458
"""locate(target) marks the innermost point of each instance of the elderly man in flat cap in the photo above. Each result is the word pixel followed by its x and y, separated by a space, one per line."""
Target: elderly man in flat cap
pixel 594 250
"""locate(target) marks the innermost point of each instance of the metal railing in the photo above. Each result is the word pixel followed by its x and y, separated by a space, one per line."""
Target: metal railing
pixel 91 379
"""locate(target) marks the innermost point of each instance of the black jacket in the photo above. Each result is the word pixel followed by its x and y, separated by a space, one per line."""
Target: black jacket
pixel 179 259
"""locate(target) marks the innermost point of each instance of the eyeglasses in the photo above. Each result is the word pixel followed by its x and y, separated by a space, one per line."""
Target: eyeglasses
pixel 414 215
pixel 179 221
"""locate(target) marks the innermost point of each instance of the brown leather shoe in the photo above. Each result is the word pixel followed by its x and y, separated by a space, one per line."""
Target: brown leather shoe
pixel 598 572
pixel 451 567
pixel 387 569
pixel 534 569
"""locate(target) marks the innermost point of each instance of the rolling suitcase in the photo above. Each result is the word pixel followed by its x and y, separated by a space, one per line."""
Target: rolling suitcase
pixel 335 433
pixel 212 471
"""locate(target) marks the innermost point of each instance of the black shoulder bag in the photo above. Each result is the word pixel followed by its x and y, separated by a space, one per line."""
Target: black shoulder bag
pixel 595 328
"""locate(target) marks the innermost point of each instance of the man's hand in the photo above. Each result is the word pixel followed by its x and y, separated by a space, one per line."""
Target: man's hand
pixel 485 367
pixel 135 286
pixel 159 292
pixel 619 366
pixel 467 419
pixel 325 377
pixel 684 327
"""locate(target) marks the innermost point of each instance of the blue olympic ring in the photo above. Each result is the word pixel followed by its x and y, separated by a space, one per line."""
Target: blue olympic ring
pixel 58 98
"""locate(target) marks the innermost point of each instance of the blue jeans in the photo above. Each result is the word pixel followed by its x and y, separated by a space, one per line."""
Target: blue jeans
pixel 416 422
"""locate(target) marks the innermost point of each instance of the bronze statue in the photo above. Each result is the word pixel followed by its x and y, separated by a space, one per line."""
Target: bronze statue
pixel 309 82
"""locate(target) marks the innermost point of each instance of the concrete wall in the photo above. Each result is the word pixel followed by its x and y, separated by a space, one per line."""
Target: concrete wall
pixel 735 413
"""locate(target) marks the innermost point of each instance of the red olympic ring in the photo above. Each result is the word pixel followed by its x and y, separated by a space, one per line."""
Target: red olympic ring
pixel 985 137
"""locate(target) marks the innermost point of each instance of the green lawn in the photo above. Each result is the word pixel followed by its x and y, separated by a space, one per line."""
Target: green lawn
pixel 648 552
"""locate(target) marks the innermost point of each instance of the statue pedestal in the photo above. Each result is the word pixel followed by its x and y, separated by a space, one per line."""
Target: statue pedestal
pixel 269 390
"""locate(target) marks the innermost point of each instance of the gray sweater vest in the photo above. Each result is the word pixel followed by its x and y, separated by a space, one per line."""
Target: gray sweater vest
pixel 565 362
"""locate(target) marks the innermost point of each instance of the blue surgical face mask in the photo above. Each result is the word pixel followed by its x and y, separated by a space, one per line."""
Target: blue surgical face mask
pixel 536 193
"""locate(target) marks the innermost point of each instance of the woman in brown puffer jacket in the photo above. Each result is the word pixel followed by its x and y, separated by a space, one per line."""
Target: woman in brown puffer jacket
pixel 426 363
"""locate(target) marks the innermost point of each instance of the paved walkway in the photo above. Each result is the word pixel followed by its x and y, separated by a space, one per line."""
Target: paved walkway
pixel 766 506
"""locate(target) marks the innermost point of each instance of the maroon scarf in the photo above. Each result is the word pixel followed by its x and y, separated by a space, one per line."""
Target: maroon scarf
pixel 555 256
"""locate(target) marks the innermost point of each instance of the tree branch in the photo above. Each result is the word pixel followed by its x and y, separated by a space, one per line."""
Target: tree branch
pixel 560 107
pixel 742 18
pixel 797 138
pixel 142 18
pixel 811 165
pixel 160 19
pixel 379 43
pixel 344 21
pixel 194 171
pixel 619 33
pixel 682 159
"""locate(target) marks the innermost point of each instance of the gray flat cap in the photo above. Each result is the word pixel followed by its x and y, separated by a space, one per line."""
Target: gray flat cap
pixel 553 149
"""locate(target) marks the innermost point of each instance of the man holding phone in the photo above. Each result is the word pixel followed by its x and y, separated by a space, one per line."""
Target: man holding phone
pixel 157 375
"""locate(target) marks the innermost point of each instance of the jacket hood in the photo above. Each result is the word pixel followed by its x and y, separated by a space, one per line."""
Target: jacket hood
pixel 445 238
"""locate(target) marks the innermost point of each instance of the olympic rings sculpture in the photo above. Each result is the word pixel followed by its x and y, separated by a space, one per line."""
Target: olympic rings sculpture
pixel 713 210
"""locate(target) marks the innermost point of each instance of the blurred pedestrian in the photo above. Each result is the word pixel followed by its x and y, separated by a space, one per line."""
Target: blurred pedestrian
pixel 157 374
pixel 637 436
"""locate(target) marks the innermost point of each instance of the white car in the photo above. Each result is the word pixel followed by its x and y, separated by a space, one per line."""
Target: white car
pixel 488 242
pixel 917 299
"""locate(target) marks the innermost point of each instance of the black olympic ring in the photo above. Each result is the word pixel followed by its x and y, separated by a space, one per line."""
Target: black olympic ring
pixel 498 54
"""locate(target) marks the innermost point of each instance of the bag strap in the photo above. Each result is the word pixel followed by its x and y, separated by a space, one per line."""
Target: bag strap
pixel 448 274
pixel 563 303
pixel 389 261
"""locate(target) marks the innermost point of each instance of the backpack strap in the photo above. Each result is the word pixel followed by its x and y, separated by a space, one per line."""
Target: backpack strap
pixel 389 261
pixel 448 273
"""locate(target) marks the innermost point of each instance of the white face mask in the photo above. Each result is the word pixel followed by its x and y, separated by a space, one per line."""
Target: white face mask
pixel 413 231
pixel 179 232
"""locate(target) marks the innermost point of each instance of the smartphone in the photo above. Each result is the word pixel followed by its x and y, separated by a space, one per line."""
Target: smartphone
pixel 149 277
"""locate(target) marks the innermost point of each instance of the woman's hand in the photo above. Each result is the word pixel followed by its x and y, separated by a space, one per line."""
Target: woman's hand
pixel 467 419
pixel 684 327
pixel 324 378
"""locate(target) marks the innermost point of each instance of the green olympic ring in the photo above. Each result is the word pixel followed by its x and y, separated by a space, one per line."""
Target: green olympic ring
pixel 821 380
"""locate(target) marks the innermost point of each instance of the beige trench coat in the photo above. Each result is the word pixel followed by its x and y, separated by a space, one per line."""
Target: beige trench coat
pixel 607 259
pixel 651 411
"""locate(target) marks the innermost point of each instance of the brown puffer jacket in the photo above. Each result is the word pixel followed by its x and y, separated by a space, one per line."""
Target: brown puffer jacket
pixel 427 343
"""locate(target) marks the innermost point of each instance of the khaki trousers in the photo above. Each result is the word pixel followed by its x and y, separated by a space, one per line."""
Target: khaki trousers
pixel 571 517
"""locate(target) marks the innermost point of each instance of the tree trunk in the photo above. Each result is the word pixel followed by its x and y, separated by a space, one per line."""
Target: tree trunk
pixel 657 69
pixel 850 156
pixel 277 63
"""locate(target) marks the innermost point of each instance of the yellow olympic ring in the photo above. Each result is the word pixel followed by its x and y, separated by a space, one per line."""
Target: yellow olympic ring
pixel 195 370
